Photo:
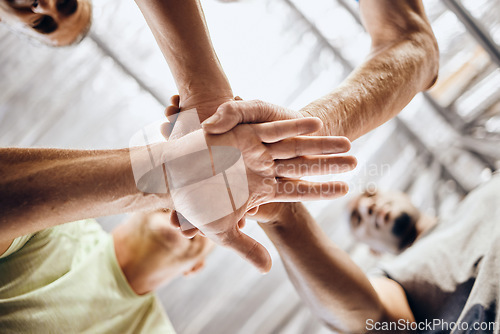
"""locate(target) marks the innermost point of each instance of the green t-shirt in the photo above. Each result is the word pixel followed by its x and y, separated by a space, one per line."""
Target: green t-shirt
pixel 66 279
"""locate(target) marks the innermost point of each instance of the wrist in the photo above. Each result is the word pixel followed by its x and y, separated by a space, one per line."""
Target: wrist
pixel 208 87
pixel 205 101
pixel 285 215
pixel 143 183
pixel 290 227
pixel 212 98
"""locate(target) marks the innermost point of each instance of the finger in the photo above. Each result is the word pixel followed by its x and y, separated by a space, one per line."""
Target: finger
pixel 232 113
pixel 248 249
pixel 295 147
pixel 275 131
pixel 242 223
pixel 253 211
pixel 314 165
pixel 288 190
pixel 175 100
pixel 171 110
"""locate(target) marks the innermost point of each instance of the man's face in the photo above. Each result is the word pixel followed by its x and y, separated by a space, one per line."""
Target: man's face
pixel 53 22
pixel 386 221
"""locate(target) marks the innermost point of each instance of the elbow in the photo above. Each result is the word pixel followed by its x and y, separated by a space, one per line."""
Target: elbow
pixel 414 52
pixel 426 51
pixel 427 55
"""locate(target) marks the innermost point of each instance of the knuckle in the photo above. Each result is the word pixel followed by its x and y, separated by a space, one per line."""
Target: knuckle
pixel 227 107
pixel 233 110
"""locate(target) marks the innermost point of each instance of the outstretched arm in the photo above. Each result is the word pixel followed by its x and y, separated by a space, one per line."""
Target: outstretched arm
pixel 403 61
pixel 335 288
pixel 236 171
pixel 41 188
pixel 181 33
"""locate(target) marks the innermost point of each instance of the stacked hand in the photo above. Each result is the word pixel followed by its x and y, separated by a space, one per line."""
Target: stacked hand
pixel 275 157
pixel 231 113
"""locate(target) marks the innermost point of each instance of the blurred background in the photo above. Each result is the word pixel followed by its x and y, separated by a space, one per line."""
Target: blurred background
pixel 289 52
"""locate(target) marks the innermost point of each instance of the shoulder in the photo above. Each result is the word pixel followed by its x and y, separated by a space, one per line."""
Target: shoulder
pixel 73 230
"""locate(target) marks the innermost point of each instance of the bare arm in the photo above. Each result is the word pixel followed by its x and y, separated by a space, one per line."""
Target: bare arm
pixel 326 278
pixel 182 35
pixel 403 61
pixel 41 188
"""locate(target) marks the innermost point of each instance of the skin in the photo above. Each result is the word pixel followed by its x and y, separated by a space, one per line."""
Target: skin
pixel 403 61
pixel 181 32
pixel 204 91
pixel 52 22
pixel 151 252
pixel 331 284
pixel 41 188
pixel 387 221
pixel 250 249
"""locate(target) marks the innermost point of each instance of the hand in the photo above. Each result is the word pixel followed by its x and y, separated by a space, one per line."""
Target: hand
pixel 232 113
pixel 274 161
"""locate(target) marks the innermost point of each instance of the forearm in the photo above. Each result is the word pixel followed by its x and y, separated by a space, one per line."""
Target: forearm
pixel 325 277
pixel 374 93
pixel 181 32
pixel 41 188
pixel 404 61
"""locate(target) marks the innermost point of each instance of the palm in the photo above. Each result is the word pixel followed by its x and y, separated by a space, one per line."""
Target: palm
pixel 216 204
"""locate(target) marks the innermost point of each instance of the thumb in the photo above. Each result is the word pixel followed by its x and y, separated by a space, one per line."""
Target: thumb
pixel 232 113
pixel 250 250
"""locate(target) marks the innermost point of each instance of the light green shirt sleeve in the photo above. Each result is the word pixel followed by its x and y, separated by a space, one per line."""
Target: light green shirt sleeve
pixel 66 279
pixel 16 245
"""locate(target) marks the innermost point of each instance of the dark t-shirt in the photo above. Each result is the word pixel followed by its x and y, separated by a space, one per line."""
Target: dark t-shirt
pixel 451 276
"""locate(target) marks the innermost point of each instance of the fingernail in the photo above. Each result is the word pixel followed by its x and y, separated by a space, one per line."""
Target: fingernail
pixel 211 120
